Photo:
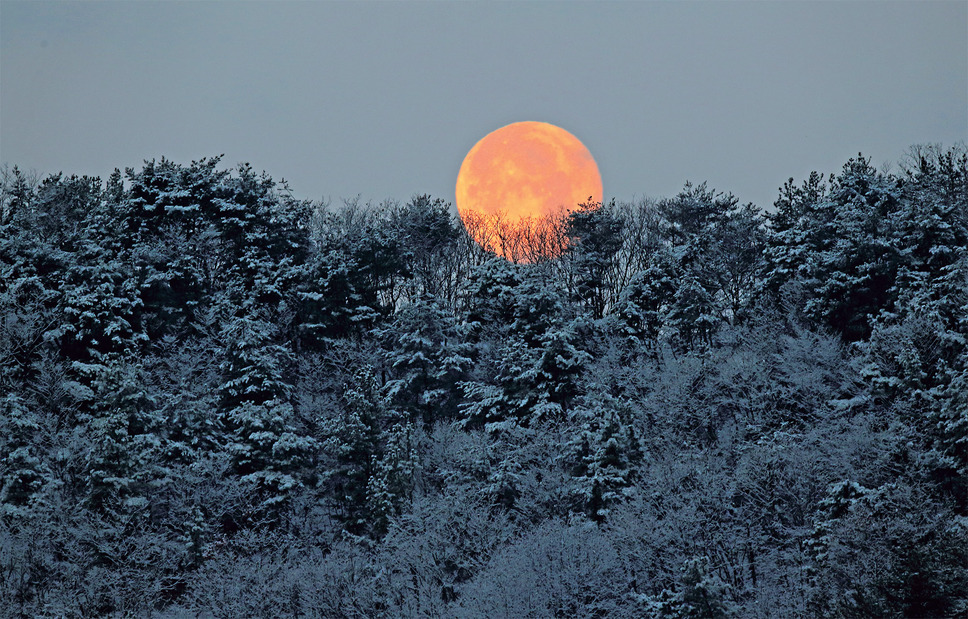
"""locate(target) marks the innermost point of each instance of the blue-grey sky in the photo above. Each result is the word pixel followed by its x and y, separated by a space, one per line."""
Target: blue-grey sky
pixel 383 100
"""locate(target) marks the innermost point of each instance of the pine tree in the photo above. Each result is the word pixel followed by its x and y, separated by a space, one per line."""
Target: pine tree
pixel 702 594
pixel 357 445
pixel 838 242
pixel 427 355
pixel 428 242
pixel 124 438
pixel 952 420
pixel 491 295
pixel 645 303
pixel 533 384
pixel 352 279
pixel 194 232
pixel 23 472
pixel 391 485
pixel 604 454
pixel 256 414
pixel 101 307
pixel 595 236
pixel 692 313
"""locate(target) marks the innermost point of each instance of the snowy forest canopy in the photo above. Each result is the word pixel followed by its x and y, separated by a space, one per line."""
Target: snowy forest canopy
pixel 219 400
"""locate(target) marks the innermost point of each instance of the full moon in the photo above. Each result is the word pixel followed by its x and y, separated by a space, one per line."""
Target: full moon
pixel 517 179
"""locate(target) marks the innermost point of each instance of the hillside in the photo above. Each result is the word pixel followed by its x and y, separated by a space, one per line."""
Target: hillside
pixel 219 400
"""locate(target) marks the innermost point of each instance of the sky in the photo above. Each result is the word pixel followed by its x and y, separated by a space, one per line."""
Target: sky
pixel 382 100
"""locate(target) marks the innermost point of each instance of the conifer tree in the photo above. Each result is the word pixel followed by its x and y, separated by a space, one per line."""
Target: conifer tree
pixel 360 479
pixel 124 440
pixel 838 242
pixel 256 414
pixel 595 234
pixel 391 486
pixel 23 472
pixel 604 455
pixel 427 357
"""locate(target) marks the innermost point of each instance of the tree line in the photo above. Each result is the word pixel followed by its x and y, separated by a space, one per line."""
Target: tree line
pixel 221 400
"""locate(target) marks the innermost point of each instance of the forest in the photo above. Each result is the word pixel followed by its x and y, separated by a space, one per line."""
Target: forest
pixel 219 400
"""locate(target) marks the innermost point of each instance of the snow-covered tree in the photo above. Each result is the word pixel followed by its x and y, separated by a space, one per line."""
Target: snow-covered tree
pixel 123 435
pixel 370 462
pixel 427 354
pixel 605 452
pixel 838 240
pixel 390 488
pixel 256 414
pixel 595 236
pixel 533 383
pixel 23 472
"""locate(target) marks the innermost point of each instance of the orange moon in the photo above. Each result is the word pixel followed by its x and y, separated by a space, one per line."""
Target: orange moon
pixel 518 176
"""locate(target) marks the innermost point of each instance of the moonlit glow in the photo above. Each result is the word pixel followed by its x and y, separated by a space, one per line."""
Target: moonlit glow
pixel 517 180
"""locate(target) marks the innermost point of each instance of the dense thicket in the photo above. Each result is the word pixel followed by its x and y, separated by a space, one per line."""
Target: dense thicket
pixel 219 400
